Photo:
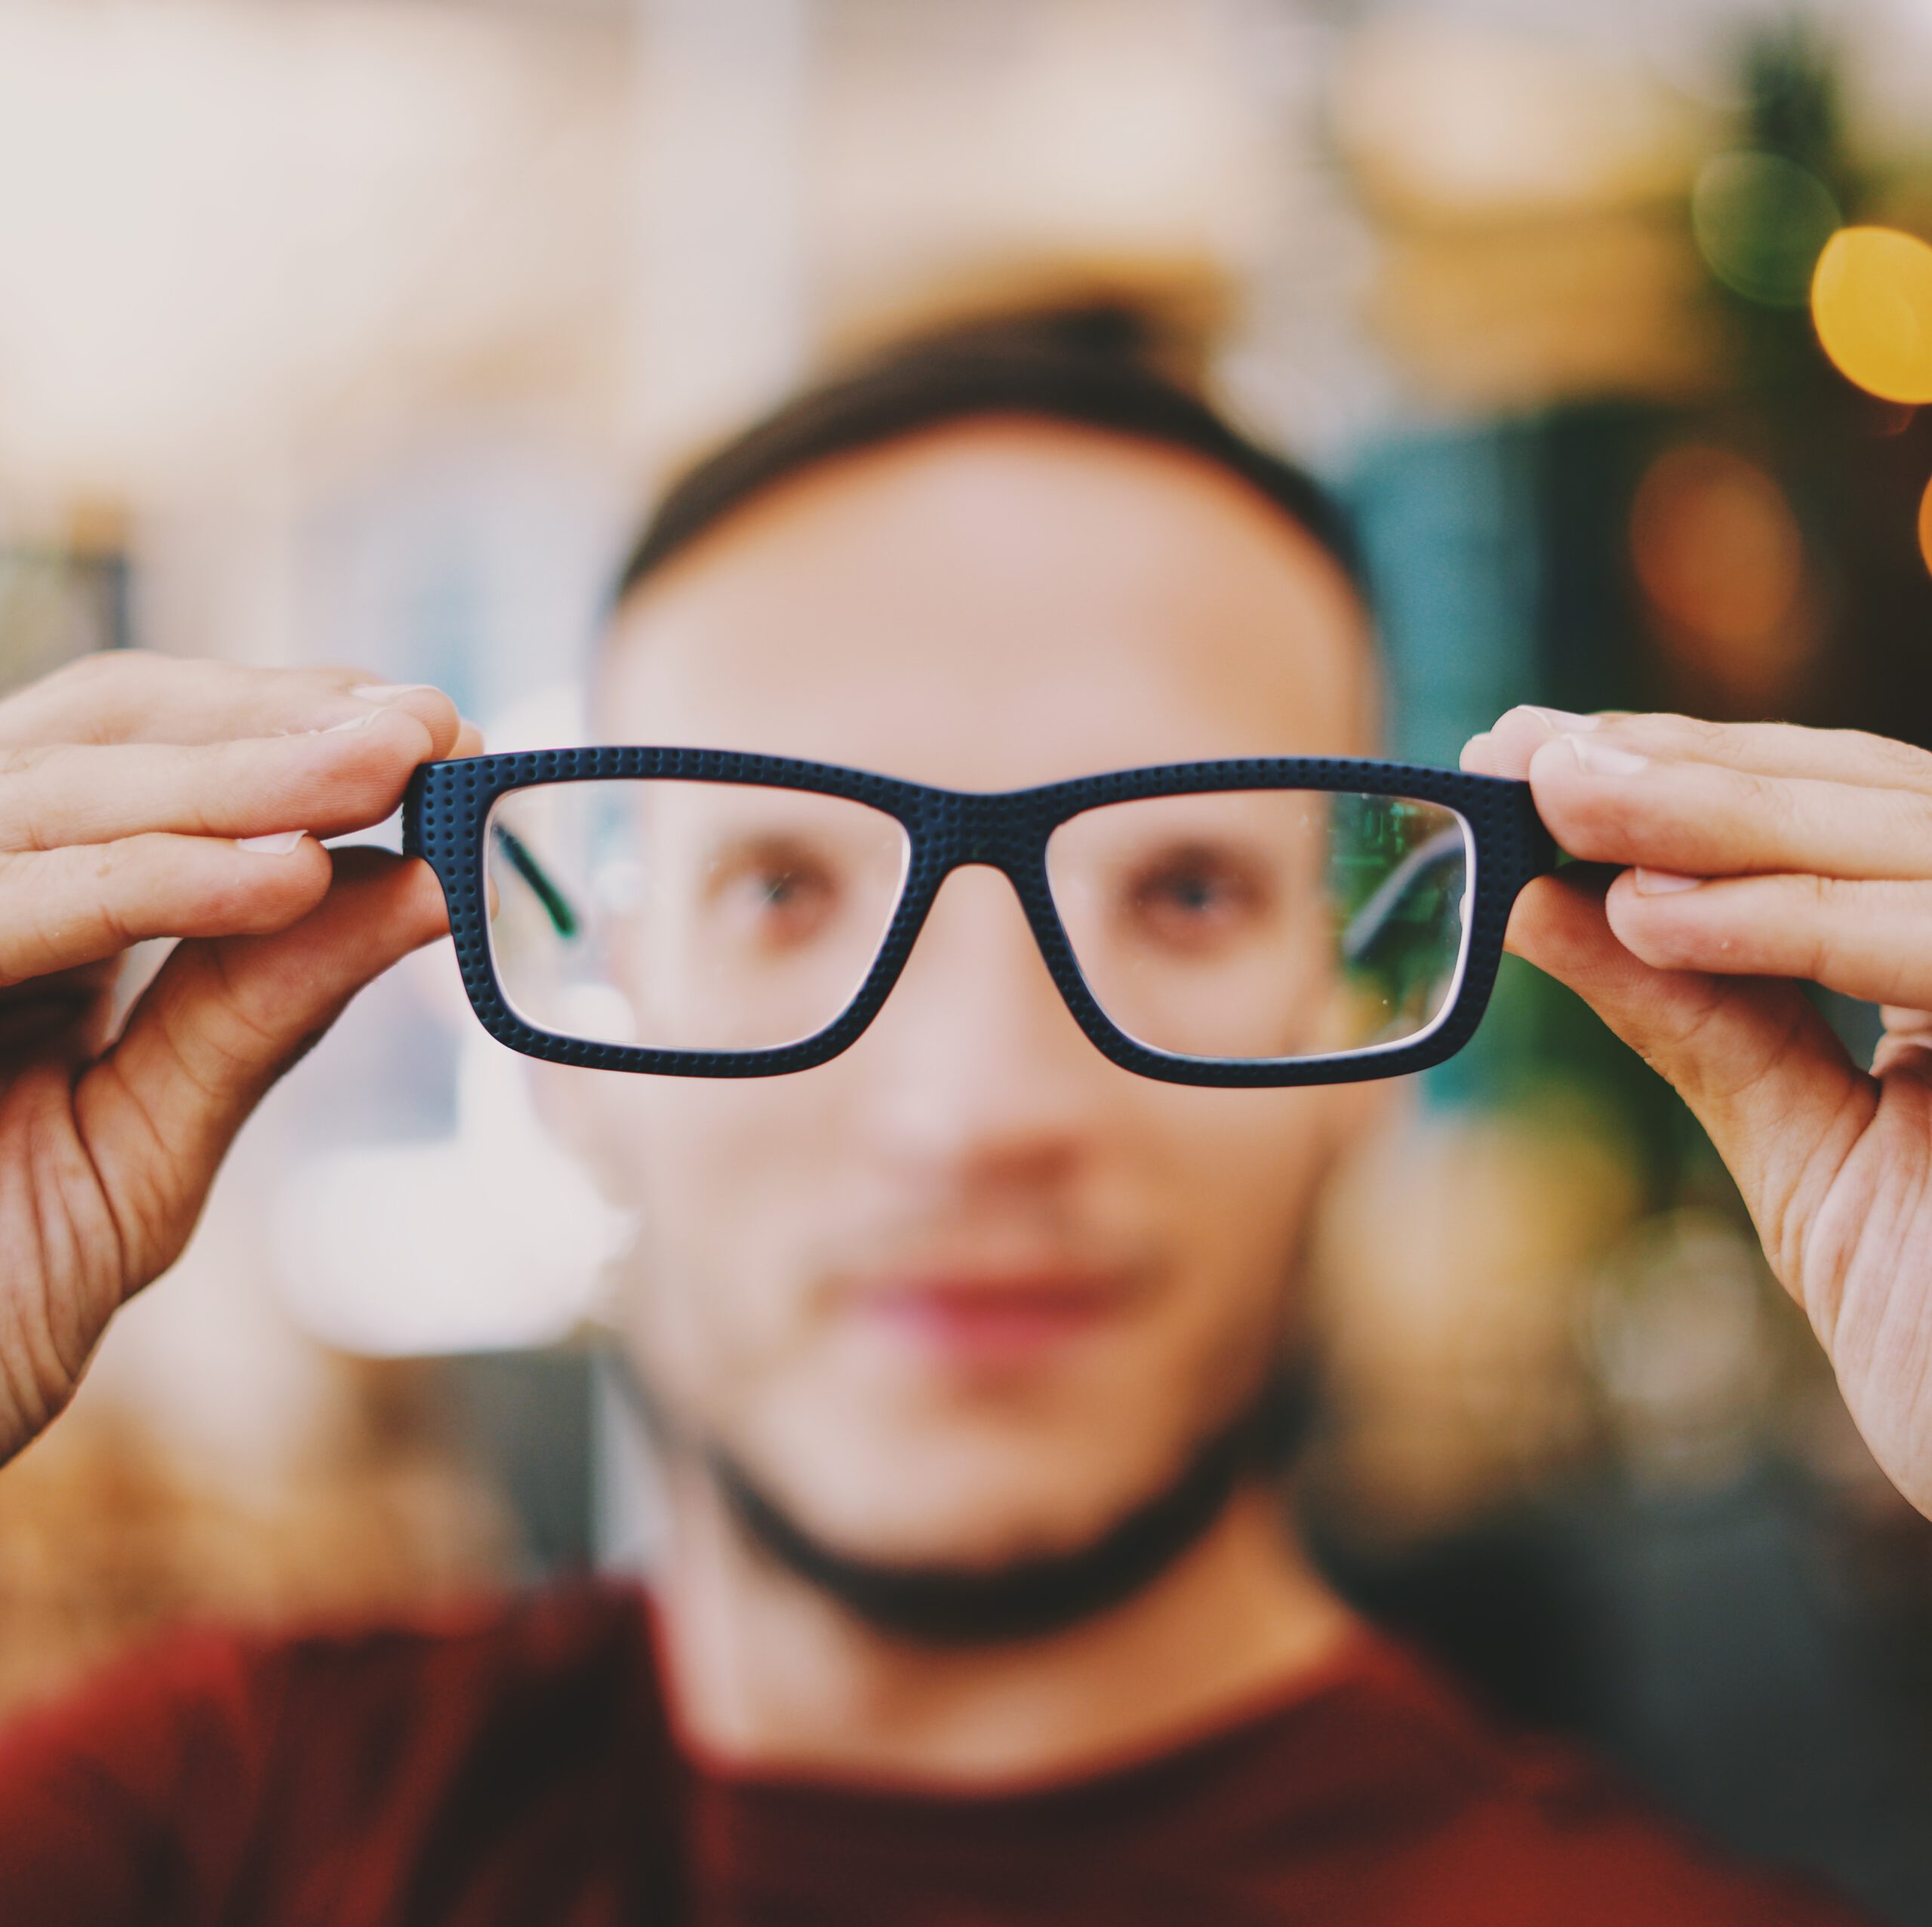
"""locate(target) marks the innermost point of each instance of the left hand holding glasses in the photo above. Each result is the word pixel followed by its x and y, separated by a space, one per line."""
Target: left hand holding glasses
pixel 1749 858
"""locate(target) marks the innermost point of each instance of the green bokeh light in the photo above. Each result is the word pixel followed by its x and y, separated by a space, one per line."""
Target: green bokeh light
pixel 1761 221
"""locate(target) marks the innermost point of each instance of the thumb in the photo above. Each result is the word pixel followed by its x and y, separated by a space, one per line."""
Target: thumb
pixel 1757 1065
pixel 225 1017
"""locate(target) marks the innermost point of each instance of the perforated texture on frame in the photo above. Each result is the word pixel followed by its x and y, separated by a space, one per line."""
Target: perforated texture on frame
pixel 448 804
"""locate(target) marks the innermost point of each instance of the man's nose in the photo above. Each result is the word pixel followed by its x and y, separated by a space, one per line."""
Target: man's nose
pixel 976 1058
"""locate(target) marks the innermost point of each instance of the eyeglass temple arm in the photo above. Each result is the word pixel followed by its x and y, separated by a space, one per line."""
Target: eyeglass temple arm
pixel 563 918
pixel 557 905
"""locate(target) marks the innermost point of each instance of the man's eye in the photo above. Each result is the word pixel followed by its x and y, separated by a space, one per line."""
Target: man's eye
pixel 1193 891
pixel 782 902
pixel 785 888
pixel 1194 899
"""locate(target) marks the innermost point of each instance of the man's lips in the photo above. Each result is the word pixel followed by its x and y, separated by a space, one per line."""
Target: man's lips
pixel 994 1318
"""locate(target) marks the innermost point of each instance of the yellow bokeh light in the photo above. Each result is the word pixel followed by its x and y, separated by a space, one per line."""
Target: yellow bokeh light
pixel 1925 525
pixel 1871 302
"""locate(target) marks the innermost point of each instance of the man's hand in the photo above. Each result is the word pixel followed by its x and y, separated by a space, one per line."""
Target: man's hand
pixel 143 797
pixel 1750 857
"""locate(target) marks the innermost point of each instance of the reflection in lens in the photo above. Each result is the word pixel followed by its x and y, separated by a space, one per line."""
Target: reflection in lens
pixel 1266 924
pixel 685 916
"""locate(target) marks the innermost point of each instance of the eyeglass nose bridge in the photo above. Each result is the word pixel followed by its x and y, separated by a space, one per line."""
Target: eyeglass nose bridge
pixel 1005 831
pixel 959 829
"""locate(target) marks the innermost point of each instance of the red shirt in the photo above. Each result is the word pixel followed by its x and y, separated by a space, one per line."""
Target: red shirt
pixel 516 1766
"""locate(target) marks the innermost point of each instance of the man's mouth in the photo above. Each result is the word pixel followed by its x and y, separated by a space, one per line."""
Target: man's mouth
pixel 995 1318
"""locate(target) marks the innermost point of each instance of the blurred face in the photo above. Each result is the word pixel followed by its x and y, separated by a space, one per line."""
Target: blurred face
pixel 969 1295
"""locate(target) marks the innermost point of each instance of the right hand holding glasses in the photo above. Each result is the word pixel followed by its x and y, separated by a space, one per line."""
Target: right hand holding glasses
pixel 140 797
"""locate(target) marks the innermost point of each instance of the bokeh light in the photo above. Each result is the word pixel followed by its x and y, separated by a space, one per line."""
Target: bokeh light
pixel 1872 302
pixel 1716 545
pixel 1925 525
pixel 1721 560
pixel 1760 222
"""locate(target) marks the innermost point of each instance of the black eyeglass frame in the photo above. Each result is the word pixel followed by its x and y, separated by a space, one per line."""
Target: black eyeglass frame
pixel 446 812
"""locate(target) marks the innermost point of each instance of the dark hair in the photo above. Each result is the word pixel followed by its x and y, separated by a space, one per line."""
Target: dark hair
pixel 1098 366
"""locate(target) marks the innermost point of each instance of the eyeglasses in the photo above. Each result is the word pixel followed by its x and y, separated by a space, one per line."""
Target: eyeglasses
pixel 703 913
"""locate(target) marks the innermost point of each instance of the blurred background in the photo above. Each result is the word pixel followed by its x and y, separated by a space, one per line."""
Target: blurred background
pixel 360 329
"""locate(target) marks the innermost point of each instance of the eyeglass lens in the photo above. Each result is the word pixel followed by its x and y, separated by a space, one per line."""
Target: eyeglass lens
pixel 1257 925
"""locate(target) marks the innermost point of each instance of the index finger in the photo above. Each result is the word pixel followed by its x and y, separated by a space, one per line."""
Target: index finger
pixel 1608 804
pixel 1758 749
pixel 327 782
pixel 1752 1057
pixel 134 696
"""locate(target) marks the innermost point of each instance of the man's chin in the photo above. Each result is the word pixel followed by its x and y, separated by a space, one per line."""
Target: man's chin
pixel 958 1601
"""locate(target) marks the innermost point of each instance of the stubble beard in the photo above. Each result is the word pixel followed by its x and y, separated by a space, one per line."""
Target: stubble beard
pixel 940 1605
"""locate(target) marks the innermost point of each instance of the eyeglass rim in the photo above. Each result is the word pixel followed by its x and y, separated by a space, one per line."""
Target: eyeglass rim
pixel 446 807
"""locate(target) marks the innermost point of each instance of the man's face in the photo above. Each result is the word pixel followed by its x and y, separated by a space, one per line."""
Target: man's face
pixel 969 1293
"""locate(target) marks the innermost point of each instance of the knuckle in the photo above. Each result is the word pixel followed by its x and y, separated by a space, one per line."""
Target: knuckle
pixel 1885 755
pixel 30 814
pixel 83 670
pixel 1696 732
pixel 337 677
pixel 248 1034
pixel 110 666
pixel 1764 813
pixel 1827 903
pixel 1915 811
pixel 1756 796
pixel 23 758
pixel 1665 732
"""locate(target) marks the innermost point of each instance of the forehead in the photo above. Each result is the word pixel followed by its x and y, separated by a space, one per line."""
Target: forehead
pixel 993 604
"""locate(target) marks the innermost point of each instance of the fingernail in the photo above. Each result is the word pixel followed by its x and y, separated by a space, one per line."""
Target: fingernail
pixel 1563 722
pixel 1662 882
pixel 279 843
pixel 1476 749
pixel 386 692
pixel 1605 759
pixel 361 722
